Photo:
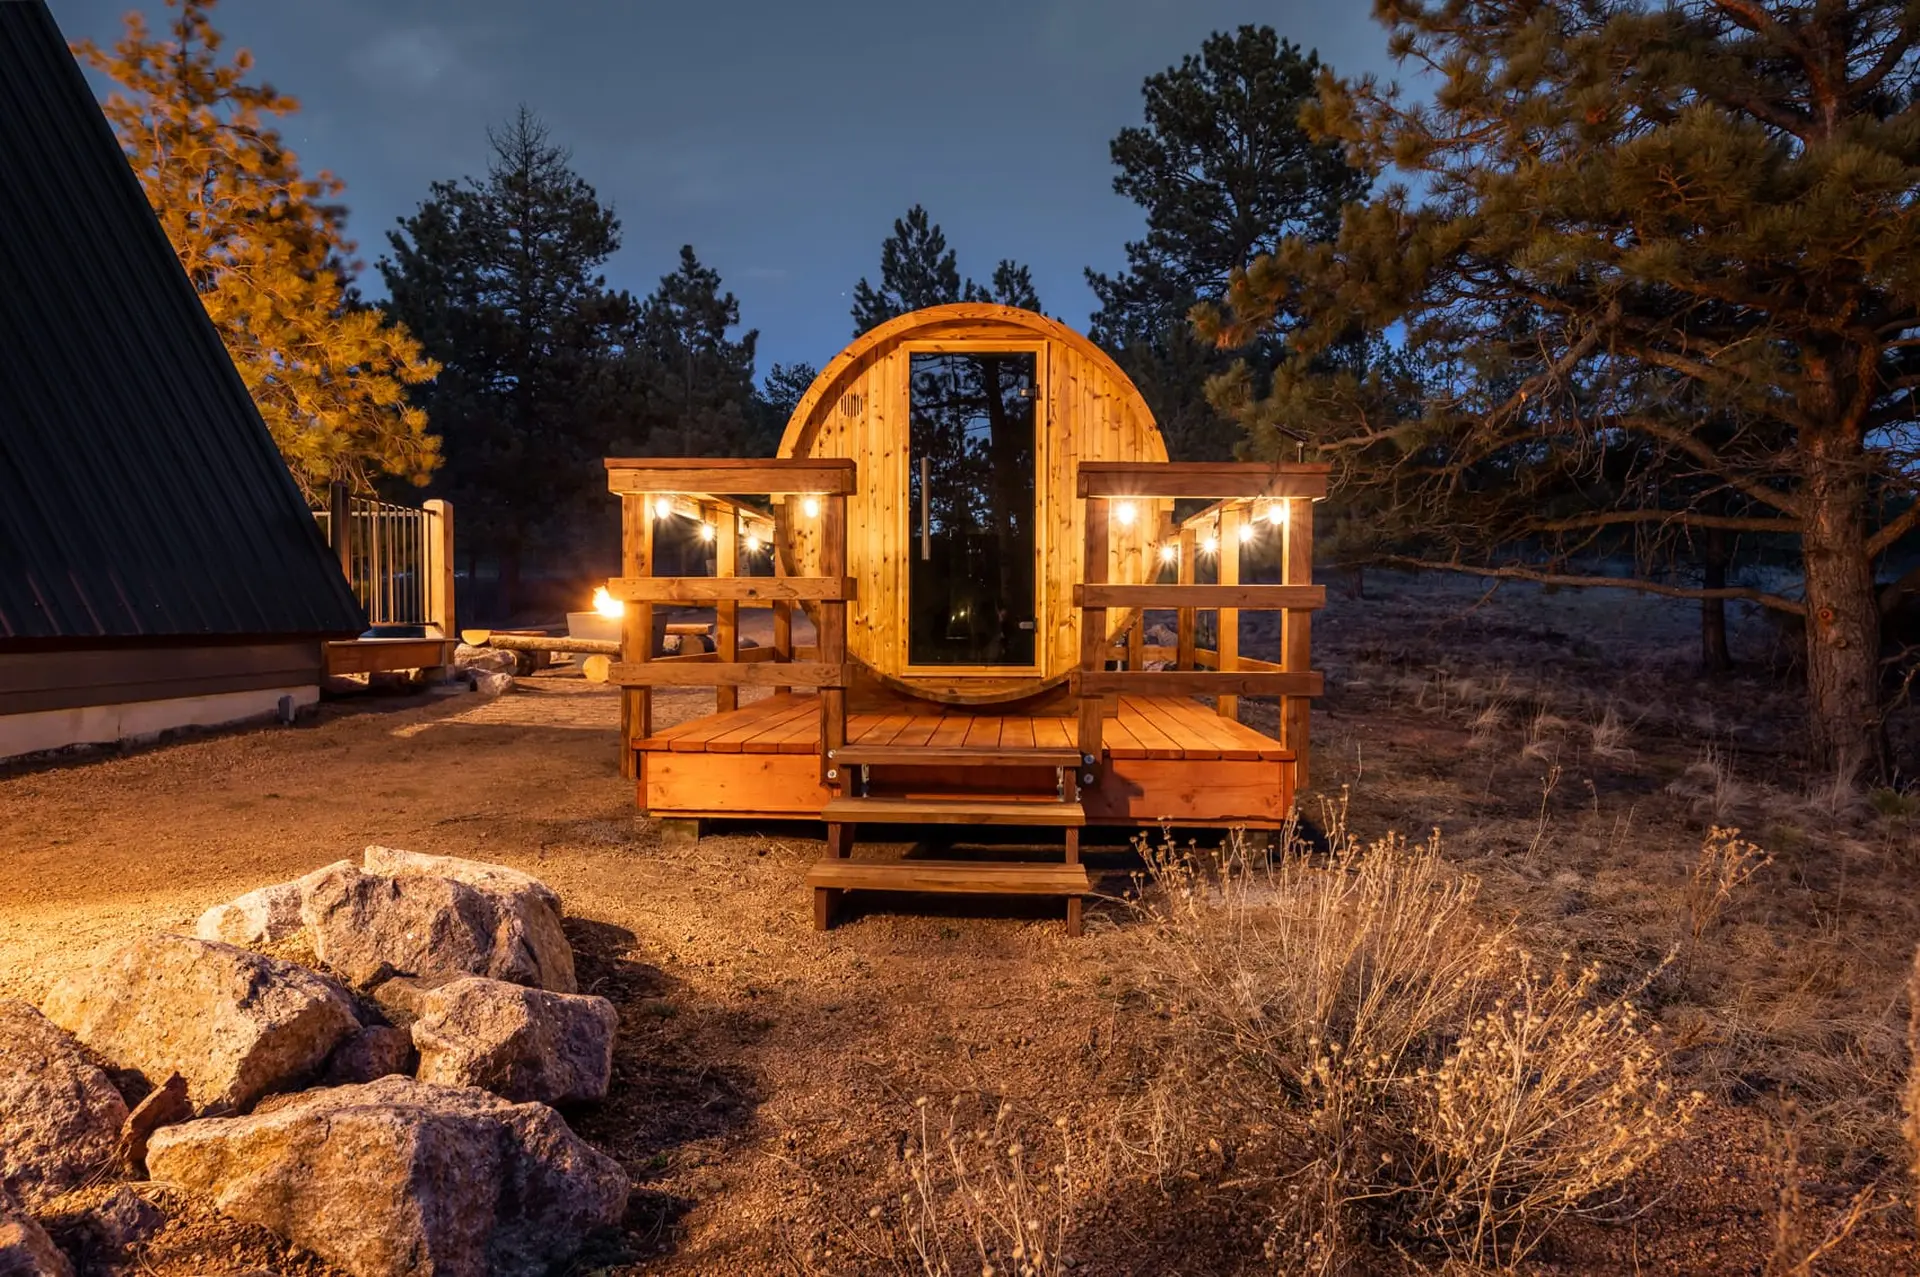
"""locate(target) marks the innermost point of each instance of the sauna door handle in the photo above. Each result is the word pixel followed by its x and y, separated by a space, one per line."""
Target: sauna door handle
pixel 926 524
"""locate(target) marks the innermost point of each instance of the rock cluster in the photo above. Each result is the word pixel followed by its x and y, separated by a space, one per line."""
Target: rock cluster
pixel 441 1024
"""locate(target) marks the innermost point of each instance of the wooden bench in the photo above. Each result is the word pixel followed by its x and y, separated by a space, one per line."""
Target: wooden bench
pixel 829 878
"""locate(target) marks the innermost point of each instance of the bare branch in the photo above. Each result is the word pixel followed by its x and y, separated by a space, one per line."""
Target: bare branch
pixel 1777 602
pixel 1682 518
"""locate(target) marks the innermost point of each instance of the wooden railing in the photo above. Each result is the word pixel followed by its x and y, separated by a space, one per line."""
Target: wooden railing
pixel 1282 497
pixel 655 488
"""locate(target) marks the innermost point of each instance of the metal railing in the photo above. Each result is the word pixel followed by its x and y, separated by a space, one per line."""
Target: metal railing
pixel 398 559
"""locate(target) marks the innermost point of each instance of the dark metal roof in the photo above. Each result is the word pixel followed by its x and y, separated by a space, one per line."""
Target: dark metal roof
pixel 140 493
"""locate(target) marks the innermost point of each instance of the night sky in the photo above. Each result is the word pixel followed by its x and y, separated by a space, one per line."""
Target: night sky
pixel 780 139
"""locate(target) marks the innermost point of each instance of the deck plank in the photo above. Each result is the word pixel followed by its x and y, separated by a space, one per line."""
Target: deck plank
pixel 918 733
pixel 1017 732
pixel 951 732
pixel 734 741
pixel 1053 733
pixel 1235 740
pixel 1120 741
pixel 1191 742
pixel 877 731
pixel 805 709
pixel 984 732
pixel 1156 742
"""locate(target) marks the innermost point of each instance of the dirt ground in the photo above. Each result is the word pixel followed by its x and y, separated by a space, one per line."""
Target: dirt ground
pixel 766 1075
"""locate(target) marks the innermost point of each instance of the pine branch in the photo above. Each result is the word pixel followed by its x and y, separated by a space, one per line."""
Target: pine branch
pixel 1901 524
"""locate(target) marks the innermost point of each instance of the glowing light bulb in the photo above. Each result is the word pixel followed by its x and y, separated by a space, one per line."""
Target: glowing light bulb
pixel 1123 511
pixel 1246 533
pixel 1277 513
pixel 707 531
pixel 1210 546
pixel 753 545
pixel 811 507
pixel 1168 554
pixel 662 507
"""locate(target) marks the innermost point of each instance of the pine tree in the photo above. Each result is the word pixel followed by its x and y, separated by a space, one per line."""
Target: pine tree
pixel 1663 273
pixel 1224 172
pixel 264 248
pixel 1012 286
pixel 701 400
pixel 786 386
pixel 500 278
pixel 918 270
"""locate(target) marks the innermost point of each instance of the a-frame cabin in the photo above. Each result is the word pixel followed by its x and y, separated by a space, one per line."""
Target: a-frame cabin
pixel 973 507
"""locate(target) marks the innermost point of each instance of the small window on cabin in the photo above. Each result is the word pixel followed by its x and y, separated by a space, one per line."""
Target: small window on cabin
pixel 972 509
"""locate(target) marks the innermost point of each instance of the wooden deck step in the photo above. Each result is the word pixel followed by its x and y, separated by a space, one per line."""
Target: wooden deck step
pixel 952 811
pixel 953 756
pixel 951 877
pixel 829 878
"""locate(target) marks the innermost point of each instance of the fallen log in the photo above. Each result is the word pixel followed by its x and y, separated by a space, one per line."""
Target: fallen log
pixel 540 642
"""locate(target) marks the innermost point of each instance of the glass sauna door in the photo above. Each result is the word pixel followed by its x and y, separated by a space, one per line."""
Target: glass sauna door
pixel 972 509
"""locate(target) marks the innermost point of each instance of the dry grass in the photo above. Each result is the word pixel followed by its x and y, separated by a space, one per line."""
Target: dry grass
pixel 1911 1099
pixel 1418 1075
pixel 1804 1235
pixel 982 1201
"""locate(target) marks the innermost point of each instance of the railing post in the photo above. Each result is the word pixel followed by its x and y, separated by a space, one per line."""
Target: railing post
pixel 439 565
pixel 726 616
pixel 833 634
pixel 1184 658
pixel 1228 639
pixel 1296 631
pixel 636 630
pixel 1093 626
pixel 782 637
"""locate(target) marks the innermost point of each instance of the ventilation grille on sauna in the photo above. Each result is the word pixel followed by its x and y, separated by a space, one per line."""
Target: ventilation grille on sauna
pixel 851 403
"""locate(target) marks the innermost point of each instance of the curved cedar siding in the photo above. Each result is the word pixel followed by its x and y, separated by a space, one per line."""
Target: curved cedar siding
pixel 858 408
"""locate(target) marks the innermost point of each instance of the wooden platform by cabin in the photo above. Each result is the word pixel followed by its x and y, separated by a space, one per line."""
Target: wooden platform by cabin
pixel 763 761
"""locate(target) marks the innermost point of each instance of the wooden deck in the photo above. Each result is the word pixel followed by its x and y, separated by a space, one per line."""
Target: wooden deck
pixel 1163 759
pixel 1157 727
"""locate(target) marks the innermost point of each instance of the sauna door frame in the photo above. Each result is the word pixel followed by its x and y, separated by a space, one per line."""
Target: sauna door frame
pixel 1042 351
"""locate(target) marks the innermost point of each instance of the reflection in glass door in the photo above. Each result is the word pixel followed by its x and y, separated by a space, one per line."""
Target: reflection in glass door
pixel 971 489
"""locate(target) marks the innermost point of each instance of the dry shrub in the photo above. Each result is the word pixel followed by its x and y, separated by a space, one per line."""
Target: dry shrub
pixel 1422 1079
pixel 1725 863
pixel 982 1201
pixel 1802 1235
pixel 1911 1100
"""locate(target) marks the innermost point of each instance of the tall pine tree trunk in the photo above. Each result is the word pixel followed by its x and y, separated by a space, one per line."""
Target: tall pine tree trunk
pixel 1842 622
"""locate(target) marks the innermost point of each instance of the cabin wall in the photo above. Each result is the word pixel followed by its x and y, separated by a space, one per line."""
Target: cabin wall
pixel 1089 414
pixel 52 699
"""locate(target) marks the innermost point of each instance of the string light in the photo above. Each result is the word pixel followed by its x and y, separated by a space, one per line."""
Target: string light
pixel 811 507
pixel 1123 511
pixel 1246 533
pixel 1168 554
pixel 706 532
pixel 662 507
pixel 1277 513
pixel 753 545
pixel 1211 545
